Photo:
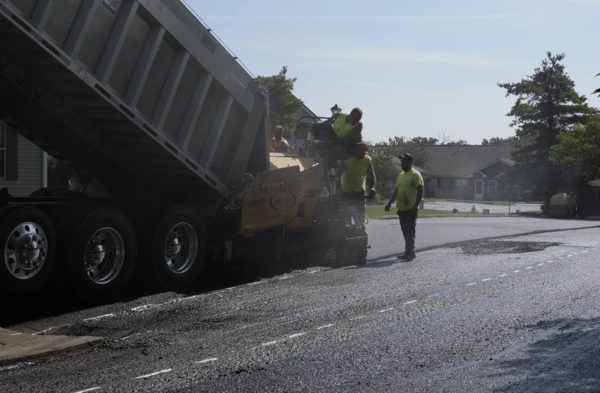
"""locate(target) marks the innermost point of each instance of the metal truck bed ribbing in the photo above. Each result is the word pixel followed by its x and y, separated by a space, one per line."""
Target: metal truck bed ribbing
pixel 136 93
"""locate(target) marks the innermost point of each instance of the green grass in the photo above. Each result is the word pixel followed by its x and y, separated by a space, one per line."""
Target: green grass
pixel 532 214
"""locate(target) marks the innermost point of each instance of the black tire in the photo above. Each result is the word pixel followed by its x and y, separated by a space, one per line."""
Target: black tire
pixel 66 218
pixel 101 255
pixel 28 241
pixel 178 247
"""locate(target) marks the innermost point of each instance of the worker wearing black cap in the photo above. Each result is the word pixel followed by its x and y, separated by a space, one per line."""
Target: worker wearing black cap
pixel 409 191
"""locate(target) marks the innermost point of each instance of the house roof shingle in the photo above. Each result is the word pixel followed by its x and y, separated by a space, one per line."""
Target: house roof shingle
pixel 459 161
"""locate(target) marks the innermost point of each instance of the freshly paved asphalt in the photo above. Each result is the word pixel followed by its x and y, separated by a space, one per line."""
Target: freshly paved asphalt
pixel 515 314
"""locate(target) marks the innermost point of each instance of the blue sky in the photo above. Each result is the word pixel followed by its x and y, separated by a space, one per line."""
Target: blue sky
pixel 415 68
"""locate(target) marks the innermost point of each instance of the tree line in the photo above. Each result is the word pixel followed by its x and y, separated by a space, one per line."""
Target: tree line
pixel 556 141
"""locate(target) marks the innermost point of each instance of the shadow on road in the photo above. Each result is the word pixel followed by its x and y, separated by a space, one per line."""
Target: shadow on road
pixel 566 361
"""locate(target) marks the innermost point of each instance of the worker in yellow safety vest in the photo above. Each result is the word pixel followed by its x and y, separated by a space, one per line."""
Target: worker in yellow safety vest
pixel 351 180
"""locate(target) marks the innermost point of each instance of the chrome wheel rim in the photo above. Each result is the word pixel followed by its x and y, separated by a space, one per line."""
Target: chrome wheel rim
pixel 104 255
pixel 181 248
pixel 26 250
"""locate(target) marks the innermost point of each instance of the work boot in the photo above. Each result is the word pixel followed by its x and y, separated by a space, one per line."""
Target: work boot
pixel 406 257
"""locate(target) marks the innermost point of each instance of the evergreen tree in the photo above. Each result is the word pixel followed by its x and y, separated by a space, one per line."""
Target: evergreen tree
pixel 497 141
pixel 547 105
pixel 282 103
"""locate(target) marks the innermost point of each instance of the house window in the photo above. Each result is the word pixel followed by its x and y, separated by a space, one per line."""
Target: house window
pixel 2 151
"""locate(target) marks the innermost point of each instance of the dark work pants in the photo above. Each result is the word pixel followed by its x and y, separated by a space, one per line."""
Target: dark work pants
pixel 408 223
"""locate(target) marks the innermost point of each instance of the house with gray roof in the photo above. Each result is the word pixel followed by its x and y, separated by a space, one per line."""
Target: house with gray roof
pixel 465 172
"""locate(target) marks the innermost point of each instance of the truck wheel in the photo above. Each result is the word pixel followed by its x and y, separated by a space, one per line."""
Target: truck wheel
pixel 28 239
pixel 102 255
pixel 178 248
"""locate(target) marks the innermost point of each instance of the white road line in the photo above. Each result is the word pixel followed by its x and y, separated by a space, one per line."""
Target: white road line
pixel 569 256
pixel 549 261
pixel 433 295
pixel 540 264
pixel 141 308
pixel 125 338
pixel 473 283
pixel 516 271
pixel 352 319
pixel 529 267
pixel 387 309
pixel 325 326
pixel 207 360
pixel 16 334
pixel 503 275
pixel 88 390
pixel 486 279
pixel 297 335
pixel 153 374
pixel 269 343
pixel 412 301
pixel 98 317
pixel 44 331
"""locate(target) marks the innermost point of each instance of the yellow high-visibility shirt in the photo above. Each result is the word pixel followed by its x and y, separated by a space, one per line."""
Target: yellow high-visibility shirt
pixel 354 177
pixel 407 184
pixel 340 127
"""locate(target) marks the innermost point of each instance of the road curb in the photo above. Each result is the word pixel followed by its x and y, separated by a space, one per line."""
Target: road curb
pixel 17 347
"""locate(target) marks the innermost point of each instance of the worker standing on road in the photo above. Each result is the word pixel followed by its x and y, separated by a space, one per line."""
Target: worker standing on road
pixel 351 180
pixel 409 191
pixel 278 142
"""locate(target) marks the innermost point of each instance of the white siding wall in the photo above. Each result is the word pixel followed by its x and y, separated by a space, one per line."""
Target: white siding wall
pixel 31 167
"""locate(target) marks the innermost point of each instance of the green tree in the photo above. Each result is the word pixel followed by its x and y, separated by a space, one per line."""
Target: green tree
pixel 496 141
pixel 282 103
pixel 580 147
pixel 415 146
pixel 58 173
pixel 385 170
pixel 547 105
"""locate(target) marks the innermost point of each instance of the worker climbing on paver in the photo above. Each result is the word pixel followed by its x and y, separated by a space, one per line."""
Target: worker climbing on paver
pixel 345 130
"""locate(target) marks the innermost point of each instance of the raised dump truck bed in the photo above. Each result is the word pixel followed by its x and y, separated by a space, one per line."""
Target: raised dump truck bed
pixel 139 95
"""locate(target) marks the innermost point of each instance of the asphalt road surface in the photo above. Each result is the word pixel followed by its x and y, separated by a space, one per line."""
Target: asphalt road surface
pixel 490 304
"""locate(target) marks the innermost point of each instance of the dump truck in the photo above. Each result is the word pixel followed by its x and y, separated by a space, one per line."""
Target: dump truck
pixel 161 122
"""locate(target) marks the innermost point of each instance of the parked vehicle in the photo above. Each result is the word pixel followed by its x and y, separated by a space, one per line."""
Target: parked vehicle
pixel 158 118
pixel 563 205
pixel 160 123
